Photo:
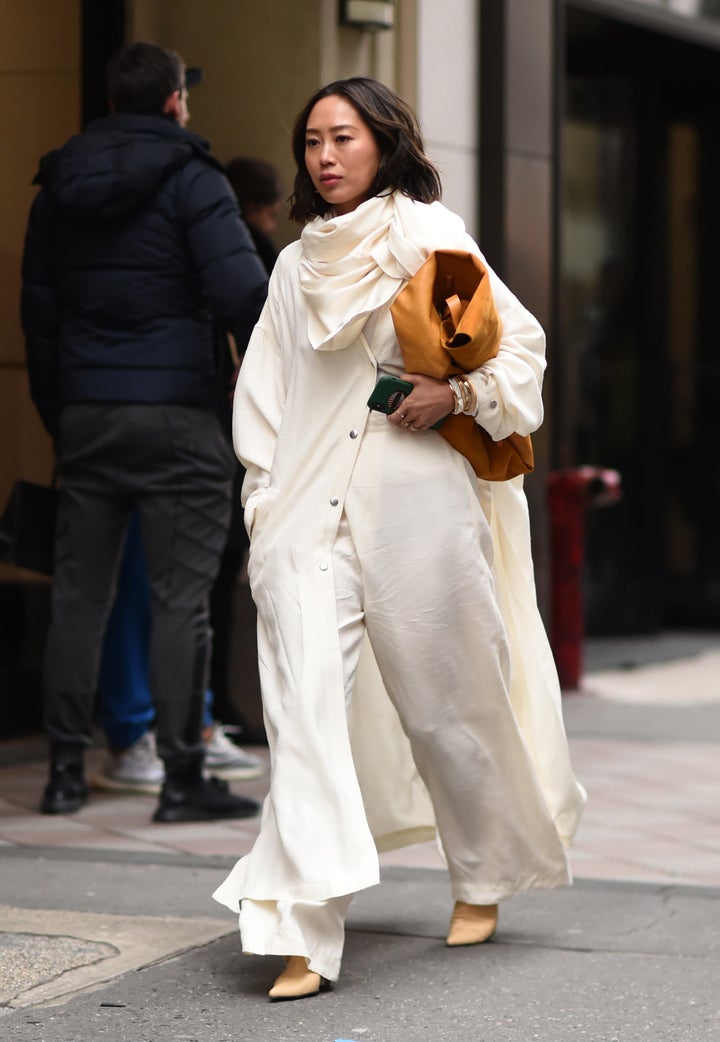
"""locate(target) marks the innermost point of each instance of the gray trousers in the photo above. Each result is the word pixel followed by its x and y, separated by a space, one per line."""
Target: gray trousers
pixel 172 464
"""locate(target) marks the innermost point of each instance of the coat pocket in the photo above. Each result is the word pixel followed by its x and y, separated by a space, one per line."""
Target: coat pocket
pixel 257 509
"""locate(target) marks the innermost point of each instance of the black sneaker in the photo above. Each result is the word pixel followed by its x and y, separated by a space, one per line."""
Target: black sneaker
pixel 207 799
pixel 66 792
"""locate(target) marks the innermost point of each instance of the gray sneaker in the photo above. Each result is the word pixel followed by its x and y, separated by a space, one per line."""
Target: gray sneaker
pixel 226 760
pixel 137 769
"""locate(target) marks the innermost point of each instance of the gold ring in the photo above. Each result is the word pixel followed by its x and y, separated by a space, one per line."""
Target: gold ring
pixel 404 423
pixel 412 428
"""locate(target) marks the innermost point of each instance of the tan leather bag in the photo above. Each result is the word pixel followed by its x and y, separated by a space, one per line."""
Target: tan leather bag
pixel 446 323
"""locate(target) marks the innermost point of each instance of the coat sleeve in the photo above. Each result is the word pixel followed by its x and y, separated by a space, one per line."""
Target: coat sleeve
pixel 258 404
pixel 233 276
pixel 40 314
pixel 509 386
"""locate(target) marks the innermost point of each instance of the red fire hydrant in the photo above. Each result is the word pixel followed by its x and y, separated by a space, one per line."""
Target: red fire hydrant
pixel 571 492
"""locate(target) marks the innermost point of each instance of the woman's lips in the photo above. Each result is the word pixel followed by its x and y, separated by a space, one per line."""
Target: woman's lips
pixel 329 179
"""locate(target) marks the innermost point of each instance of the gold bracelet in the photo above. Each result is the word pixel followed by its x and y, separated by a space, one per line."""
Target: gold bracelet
pixel 469 395
pixel 458 393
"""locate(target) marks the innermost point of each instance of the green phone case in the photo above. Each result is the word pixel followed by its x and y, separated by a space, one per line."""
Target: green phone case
pixel 388 393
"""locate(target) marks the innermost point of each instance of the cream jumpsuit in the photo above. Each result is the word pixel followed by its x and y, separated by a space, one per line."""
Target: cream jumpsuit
pixel 363 529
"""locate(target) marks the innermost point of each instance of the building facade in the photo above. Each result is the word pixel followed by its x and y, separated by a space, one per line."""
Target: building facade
pixel 579 140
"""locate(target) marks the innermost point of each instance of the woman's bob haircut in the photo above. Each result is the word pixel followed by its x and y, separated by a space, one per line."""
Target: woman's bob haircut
pixel 403 166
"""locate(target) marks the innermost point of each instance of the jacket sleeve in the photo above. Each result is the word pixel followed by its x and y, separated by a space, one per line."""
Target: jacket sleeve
pixel 233 276
pixel 40 314
pixel 509 386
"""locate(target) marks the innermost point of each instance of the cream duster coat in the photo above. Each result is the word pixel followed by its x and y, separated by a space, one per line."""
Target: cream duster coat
pixel 344 786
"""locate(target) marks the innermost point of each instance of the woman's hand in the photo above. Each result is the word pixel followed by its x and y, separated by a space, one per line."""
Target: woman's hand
pixel 429 401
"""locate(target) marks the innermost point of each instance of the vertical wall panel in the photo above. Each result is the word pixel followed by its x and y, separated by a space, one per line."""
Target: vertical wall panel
pixel 39 80
pixel 518 171
pixel 448 90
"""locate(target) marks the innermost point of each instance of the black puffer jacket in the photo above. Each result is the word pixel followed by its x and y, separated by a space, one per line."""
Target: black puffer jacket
pixel 134 251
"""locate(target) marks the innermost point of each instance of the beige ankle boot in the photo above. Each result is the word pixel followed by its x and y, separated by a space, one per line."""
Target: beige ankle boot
pixel 296 981
pixel 471 924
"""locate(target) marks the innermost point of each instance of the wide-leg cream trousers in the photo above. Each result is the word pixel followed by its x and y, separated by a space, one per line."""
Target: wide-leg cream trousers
pixel 412 564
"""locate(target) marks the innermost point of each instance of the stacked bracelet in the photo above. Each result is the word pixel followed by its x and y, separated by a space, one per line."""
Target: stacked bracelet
pixel 459 401
pixel 465 395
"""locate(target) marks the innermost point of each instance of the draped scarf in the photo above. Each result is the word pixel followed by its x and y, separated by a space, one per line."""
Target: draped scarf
pixel 356 263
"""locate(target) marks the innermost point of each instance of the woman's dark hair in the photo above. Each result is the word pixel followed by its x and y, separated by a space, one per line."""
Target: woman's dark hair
pixel 141 76
pixel 403 163
pixel 254 182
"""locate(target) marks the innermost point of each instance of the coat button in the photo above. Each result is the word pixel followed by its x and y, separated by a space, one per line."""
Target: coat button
pixel 493 404
pixel 334 501
pixel 323 567
pixel 353 434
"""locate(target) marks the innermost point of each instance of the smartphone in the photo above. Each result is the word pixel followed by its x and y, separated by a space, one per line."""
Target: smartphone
pixel 388 394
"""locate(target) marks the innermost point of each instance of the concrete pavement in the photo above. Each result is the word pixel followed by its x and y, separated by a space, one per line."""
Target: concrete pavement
pixel 107 928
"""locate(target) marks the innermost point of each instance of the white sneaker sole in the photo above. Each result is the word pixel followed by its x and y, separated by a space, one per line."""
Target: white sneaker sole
pixel 235 773
pixel 107 784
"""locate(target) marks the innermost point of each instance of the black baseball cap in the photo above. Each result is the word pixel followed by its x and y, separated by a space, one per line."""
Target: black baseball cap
pixel 193 76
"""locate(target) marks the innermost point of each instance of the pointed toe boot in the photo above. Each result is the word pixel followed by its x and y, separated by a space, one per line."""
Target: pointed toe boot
pixel 471 924
pixel 296 981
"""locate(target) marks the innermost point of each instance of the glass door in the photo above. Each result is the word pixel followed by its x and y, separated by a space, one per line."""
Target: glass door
pixel 637 375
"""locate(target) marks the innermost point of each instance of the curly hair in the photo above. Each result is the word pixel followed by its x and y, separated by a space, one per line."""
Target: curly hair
pixel 403 163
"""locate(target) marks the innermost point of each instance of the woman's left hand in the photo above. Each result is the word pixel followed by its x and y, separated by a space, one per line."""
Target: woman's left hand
pixel 429 401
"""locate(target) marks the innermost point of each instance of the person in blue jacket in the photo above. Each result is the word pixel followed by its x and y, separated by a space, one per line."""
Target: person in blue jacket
pixel 135 253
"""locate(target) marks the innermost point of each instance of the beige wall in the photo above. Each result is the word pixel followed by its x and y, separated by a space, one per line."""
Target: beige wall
pixel 39 109
pixel 448 99
pixel 261 62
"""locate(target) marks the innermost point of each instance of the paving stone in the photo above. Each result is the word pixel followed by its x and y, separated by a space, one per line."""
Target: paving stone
pixel 28 960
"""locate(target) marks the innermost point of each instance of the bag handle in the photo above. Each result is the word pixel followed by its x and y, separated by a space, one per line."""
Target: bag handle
pixel 456 308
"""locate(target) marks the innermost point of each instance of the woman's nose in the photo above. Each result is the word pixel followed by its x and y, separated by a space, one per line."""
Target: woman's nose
pixel 326 153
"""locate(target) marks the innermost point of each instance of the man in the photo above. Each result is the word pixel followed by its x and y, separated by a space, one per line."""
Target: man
pixel 134 254
pixel 126 708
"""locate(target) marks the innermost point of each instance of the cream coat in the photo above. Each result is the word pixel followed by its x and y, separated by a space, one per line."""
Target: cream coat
pixel 345 785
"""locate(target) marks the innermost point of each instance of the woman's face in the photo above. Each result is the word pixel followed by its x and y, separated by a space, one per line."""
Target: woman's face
pixel 341 154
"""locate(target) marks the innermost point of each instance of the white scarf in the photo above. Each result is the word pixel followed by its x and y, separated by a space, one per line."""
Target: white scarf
pixel 356 263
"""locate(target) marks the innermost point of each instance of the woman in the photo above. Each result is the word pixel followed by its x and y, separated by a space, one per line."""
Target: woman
pixel 367 526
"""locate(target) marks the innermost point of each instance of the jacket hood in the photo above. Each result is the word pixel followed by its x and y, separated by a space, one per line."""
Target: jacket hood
pixel 117 164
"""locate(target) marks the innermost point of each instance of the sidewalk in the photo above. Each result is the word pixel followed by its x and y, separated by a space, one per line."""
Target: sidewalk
pixel 630 952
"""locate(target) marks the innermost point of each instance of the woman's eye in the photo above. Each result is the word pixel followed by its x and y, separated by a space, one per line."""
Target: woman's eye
pixel 310 142
pixel 342 138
